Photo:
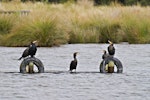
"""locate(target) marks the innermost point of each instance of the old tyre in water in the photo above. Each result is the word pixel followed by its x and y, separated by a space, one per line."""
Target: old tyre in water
pixel 35 61
pixel 105 62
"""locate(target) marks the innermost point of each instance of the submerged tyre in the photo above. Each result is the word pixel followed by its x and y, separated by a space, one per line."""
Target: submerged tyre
pixel 35 61
pixel 116 61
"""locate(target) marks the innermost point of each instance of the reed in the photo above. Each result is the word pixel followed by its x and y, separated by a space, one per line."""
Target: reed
pixel 44 30
pixel 6 24
pixel 136 26
pixel 56 24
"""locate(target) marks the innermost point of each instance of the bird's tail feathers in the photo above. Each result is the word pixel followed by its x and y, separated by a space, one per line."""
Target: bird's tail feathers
pixel 20 58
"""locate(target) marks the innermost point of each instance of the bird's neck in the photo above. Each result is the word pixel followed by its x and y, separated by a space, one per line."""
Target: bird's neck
pixel 75 58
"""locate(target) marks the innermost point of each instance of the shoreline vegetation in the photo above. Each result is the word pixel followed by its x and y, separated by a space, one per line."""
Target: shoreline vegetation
pixel 82 22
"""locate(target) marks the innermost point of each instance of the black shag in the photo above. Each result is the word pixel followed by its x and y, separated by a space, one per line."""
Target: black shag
pixel 73 64
pixel 31 50
pixel 111 48
pixel 105 55
pixel 25 53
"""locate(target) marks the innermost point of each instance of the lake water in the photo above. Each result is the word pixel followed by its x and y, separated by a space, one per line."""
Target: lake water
pixel 86 84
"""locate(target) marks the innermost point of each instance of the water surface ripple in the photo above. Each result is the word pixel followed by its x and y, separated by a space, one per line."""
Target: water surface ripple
pixel 87 84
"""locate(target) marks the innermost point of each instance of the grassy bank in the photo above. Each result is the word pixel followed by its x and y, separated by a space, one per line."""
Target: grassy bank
pixel 53 24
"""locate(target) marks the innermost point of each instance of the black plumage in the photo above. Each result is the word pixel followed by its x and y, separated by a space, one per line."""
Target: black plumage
pixel 73 64
pixel 105 55
pixel 111 48
pixel 25 53
pixel 30 50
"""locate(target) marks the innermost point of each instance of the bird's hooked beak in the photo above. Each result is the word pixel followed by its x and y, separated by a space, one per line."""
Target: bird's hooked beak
pixel 76 53
pixel 110 42
pixel 35 41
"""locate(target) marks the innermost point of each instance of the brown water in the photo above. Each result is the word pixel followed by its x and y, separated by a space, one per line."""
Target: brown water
pixel 87 84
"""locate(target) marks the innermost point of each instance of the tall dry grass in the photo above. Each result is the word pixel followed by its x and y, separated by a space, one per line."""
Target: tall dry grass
pixel 55 24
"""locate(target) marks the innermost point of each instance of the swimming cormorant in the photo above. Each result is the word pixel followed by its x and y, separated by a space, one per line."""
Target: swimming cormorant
pixel 105 55
pixel 31 50
pixel 111 48
pixel 73 64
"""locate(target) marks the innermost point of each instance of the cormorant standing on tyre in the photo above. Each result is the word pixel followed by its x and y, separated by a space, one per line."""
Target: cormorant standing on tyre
pixel 105 55
pixel 30 50
pixel 111 48
pixel 73 64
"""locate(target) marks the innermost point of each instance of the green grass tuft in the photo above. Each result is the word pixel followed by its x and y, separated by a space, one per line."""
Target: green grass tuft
pixel 56 24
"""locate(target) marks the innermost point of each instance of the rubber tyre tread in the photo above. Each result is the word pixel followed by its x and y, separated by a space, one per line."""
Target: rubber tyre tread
pixel 116 61
pixel 36 61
